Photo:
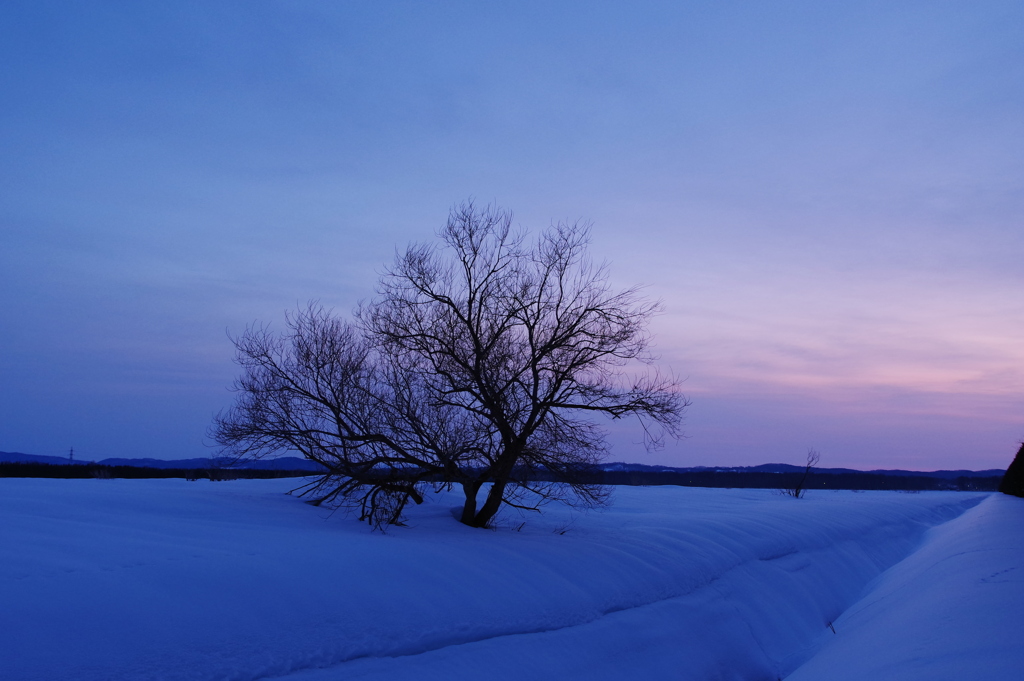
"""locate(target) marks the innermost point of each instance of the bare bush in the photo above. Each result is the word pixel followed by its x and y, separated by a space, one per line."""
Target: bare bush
pixel 798 490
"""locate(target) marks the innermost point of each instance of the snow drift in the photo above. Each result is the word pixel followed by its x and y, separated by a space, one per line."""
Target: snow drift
pixel 168 579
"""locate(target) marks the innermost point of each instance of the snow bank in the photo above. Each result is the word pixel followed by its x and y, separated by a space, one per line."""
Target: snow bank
pixel 952 610
pixel 168 579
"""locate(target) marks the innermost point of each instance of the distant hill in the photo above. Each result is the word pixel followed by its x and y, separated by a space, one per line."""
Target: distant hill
pixel 609 473
pixel 618 466
pixel 18 457
pixel 290 463
pixel 284 463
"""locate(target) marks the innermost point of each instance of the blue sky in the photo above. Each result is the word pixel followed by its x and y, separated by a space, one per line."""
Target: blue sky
pixel 827 196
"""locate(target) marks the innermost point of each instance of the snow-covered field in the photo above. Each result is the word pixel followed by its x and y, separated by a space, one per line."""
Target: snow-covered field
pixel 169 579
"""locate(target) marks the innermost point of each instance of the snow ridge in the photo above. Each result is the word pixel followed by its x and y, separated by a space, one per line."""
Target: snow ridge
pixel 168 579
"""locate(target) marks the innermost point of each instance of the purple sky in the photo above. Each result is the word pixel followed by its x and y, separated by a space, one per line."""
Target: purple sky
pixel 828 199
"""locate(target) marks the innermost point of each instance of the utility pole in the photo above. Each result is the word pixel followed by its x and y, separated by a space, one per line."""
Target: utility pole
pixel 71 456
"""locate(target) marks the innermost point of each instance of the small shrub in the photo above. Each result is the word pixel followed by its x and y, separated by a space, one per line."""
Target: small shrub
pixel 798 490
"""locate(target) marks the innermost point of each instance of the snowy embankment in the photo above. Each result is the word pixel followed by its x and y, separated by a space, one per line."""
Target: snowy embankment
pixel 952 610
pixel 168 579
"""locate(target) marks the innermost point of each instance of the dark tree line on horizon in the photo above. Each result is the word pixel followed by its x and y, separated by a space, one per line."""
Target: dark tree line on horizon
pixel 594 476
pixel 30 469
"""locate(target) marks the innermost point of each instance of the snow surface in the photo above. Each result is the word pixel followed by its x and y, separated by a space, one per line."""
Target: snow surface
pixel 170 579
pixel 952 610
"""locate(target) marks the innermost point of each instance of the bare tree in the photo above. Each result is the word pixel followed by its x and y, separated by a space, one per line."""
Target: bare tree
pixel 798 490
pixel 482 360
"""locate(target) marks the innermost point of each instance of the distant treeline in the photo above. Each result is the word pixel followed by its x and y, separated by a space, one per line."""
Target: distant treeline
pixel 763 480
pixel 92 470
pixel 711 478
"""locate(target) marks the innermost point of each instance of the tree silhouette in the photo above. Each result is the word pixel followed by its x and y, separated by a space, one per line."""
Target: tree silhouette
pixel 483 359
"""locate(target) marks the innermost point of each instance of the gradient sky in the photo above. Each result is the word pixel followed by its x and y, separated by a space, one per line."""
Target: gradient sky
pixel 828 197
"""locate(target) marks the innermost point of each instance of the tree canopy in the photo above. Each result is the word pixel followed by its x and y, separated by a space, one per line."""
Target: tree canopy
pixel 484 359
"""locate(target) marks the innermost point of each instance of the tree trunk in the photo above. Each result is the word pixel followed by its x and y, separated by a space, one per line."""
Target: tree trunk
pixel 469 510
pixel 491 505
